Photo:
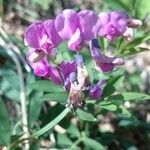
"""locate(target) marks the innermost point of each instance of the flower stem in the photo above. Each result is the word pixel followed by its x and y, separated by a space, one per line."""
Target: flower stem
pixel 14 57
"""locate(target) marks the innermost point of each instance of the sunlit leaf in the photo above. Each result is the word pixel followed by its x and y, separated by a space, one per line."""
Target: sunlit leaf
pixel 57 96
pixel 93 144
pixel 46 85
pixel 83 115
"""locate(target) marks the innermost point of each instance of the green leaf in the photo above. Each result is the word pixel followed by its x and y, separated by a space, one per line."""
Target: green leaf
pixel 122 109
pixel 73 130
pixel 60 97
pixel 63 140
pixel 5 131
pixel 135 96
pixel 46 85
pixel 52 123
pixel 33 105
pixel 113 84
pixel 127 122
pixel 108 105
pixel 93 144
pixel 9 86
pixel 83 115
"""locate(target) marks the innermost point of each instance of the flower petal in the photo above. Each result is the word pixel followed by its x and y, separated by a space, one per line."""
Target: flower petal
pixel 41 68
pixel 102 62
pixel 95 92
pixel 89 24
pixel 54 38
pixel 55 74
pixel 34 34
pixel 76 41
pixel 66 23
pixel 67 68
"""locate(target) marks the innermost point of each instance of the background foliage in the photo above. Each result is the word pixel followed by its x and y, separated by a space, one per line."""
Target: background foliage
pixel 120 120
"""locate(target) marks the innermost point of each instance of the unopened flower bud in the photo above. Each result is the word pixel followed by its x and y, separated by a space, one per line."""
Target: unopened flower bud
pixel 134 23
pixel 128 34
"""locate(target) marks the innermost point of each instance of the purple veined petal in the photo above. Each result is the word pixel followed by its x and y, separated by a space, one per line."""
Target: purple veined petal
pixel 113 24
pixel 89 24
pixel 53 36
pixel 119 21
pixel 54 74
pixel 66 23
pixel 103 63
pixel 95 92
pixel 67 84
pixel 72 78
pixel 105 67
pixel 106 64
pixel 104 18
pixel 34 33
pixel 41 68
pixel 51 52
pixel 67 68
pixel 76 41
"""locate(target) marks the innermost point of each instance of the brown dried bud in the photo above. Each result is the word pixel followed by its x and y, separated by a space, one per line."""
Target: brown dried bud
pixel 76 96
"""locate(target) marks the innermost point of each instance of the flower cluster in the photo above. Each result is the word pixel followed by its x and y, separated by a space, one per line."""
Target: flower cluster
pixel 76 28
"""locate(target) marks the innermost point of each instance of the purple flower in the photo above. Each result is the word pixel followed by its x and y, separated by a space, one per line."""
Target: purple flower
pixel 66 23
pixel 95 91
pixel 89 23
pixel 54 74
pixel 114 24
pixel 54 38
pixel 41 67
pixel 76 28
pixel 102 62
pixel 43 36
pixel 67 26
pixel 66 68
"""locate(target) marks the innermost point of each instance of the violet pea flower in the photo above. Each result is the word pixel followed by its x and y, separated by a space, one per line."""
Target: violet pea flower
pixel 89 24
pixel 76 28
pixel 42 35
pixel 42 68
pixel 114 24
pixel 103 63
pixel 66 68
pixel 67 26
pixel 95 91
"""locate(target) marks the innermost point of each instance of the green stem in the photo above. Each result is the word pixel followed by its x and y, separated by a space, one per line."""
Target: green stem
pixel 75 144
pixel 52 123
